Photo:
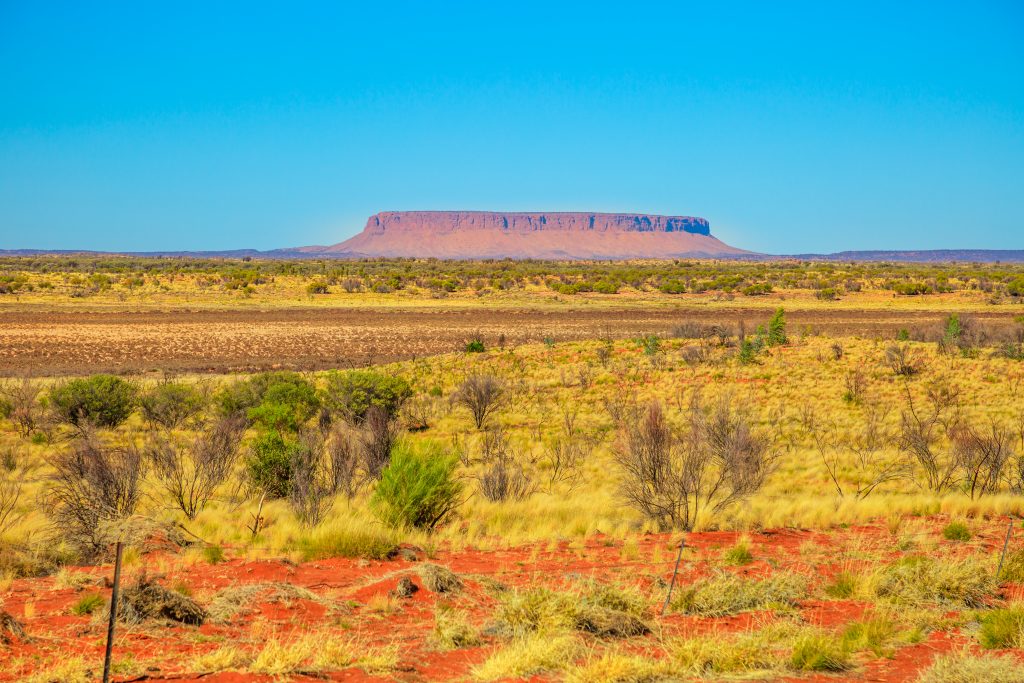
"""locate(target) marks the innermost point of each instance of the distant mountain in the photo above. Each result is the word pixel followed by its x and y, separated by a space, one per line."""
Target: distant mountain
pixel 924 256
pixel 557 235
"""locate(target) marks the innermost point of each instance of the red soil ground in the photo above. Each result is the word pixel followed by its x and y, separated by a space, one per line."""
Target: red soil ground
pixel 359 589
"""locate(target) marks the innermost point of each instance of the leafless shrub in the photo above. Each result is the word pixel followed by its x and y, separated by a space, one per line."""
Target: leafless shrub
pixel 504 476
pixel 902 360
pixel 192 472
pixel 10 494
pixel 983 456
pixel 343 455
pixel 922 431
pixel 856 386
pixel 858 455
pixel 672 475
pixel 93 486
pixel 837 351
pixel 692 330
pixel 312 479
pixel 375 439
pixel 604 353
pixel 23 399
pixel 481 395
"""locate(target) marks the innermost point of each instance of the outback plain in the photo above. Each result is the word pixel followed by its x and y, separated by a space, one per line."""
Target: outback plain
pixel 417 470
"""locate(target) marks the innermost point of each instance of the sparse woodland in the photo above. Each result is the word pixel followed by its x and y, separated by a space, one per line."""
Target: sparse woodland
pixel 897 462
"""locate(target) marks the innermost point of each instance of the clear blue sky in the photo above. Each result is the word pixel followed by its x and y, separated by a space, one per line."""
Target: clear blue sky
pixel 791 126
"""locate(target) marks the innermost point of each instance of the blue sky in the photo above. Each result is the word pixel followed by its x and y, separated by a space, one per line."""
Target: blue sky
pixel 791 126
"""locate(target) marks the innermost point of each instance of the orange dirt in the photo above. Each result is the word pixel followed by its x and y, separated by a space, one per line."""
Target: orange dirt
pixel 353 600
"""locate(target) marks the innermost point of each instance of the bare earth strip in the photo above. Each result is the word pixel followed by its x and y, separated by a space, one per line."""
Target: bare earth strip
pixel 73 342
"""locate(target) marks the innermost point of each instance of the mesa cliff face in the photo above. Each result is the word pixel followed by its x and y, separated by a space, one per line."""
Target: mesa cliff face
pixel 557 235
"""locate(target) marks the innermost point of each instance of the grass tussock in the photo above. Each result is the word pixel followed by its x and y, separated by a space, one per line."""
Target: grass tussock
pixel 528 656
pixel 725 594
pixel 617 667
pixel 918 579
pixel 453 630
pixel 819 652
pixel 1003 628
pixel 964 667
pixel 369 542
pixel 600 609
pixel 439 579
pixel 309 654
pixel 235 601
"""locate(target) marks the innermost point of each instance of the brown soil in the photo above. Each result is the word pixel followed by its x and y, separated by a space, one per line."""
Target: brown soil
pixel 63 342
pixel 352 600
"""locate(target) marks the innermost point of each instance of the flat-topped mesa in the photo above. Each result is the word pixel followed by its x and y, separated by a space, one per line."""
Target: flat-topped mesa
pixel 540 235
pixel 437 222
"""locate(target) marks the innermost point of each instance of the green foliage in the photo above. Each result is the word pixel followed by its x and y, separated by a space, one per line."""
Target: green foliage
pixel 171 403
pixel 269 465
pixel 739 554
pixel 843 586
pixel 956 531
pixel 827 294
pixel 102 400
pixel 213 554
pixel 750 349
pixel 903 335
pixel 913 288
pixel 650 344
pixel 275 400
pixel 352 393
pixel 88 604
pixel 777 329
pixel 475 346
pixel 1002 628
pixel 317 287
pixel 418 488
pixel 371 543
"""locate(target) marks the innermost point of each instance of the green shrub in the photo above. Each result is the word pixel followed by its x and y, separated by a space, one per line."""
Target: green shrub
pixel 777 329
pixel 956 531
pixel 475 346
pixel 739 554
pixel 242 396
pixel 269 465
pixel 352 393
pixel 1002 628
pixel 171 403
pixel 213 554
pixel 418 488
pixel 317 287
pixel 88 604
pixel 102 400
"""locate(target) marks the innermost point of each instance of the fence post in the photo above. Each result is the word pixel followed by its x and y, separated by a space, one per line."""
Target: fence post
pixel 675 571
pixel 113 614
pixel 1006 543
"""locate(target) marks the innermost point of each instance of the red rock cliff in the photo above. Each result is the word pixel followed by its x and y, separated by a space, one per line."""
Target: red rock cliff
pixel 557 235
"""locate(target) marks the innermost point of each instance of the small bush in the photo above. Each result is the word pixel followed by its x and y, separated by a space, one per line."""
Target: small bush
pixel 269 466
pixel 213 554
pixel 1002 628
pixel 739 554
pixel 418 488
pixel 170 404
pixel 481 395
pixel 777 329
pixel 351 394
pixel 475 346
pixel 288 388
pixel 101 400
pixel 819 652
pixel 88 604
pixel 956 531
pixel 317 287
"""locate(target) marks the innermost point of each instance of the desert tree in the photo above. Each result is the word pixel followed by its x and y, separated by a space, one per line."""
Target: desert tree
pixel 93 486
pixel 671 475
pixel 170 404
pixel 191 472
pixel 481 395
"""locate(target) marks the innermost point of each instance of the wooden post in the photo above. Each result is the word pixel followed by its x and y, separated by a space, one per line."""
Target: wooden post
pixel 113 614
pixel 1006 542
pixel 675 571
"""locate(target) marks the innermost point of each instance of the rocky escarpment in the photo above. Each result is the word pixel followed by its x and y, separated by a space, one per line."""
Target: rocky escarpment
pixel 556 235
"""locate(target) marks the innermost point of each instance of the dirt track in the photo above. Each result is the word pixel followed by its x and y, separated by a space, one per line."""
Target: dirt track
pixel 72 342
